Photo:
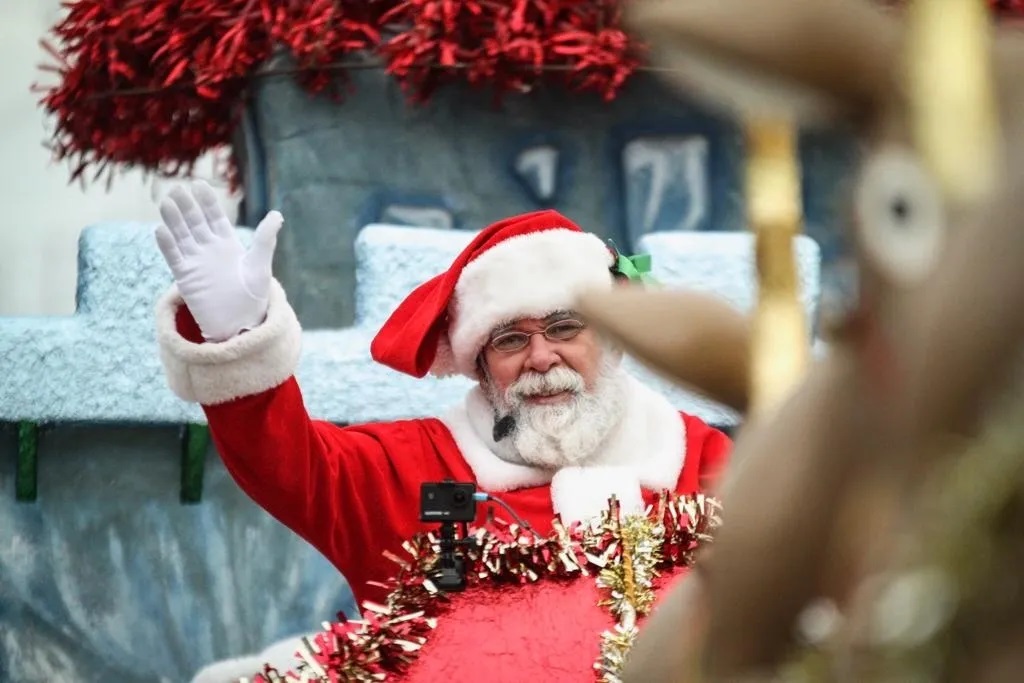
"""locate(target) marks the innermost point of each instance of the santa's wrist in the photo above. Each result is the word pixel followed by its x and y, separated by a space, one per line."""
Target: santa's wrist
pixel 221 316
pixel 223 334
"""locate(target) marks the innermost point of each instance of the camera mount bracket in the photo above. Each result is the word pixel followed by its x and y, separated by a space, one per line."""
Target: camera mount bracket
pixel 448 502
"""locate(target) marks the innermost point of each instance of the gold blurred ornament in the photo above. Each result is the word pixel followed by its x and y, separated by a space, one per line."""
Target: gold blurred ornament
pixel 779 341
pixel 951 95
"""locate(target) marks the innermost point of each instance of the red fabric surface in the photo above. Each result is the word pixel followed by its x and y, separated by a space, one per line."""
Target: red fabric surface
pixel 547 631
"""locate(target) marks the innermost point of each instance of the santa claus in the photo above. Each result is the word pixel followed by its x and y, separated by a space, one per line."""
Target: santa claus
pixel 555 425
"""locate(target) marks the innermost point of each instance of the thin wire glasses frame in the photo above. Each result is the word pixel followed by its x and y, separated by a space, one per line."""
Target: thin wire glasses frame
pixel 517 340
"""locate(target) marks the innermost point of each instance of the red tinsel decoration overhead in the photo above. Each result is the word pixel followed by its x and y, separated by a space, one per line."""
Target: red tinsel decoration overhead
pixel 149 84
pixel 510 46
pixel 318 33
pixel 157 83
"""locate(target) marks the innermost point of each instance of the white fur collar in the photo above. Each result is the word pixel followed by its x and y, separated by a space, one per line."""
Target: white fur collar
pixel 646 449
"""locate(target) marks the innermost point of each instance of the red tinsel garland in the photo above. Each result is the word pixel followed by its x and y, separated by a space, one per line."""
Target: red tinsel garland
pixel 157 83
pixel 319 32
pixel 180 50
pixel 511 46
pixel 386 641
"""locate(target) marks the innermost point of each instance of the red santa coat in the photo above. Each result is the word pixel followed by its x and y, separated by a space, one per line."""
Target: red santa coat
pixel 353 492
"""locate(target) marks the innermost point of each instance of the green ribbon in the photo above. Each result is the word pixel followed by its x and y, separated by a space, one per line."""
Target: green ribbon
pixel 635 268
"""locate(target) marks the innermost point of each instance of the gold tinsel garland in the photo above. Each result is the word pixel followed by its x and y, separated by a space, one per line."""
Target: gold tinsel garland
pixel 623 552
pixel 629 580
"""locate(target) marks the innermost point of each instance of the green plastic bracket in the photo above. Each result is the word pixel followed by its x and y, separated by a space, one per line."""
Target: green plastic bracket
pixel 26 477
pixel 194 442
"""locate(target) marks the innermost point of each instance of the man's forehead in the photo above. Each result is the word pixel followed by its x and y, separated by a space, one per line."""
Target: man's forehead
pixel 546 320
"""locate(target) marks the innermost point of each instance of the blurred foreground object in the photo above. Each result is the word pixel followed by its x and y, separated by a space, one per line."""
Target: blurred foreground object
pixel 780 343
pixel 822 497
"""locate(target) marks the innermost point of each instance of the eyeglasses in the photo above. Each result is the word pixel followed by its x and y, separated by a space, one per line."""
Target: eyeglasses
pixel 562 330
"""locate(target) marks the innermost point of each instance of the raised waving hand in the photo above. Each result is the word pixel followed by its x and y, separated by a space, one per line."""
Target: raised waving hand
pixel 224 285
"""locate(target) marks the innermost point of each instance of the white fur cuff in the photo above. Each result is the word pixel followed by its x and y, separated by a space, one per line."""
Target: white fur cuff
pixel 579 494
pixel 247 364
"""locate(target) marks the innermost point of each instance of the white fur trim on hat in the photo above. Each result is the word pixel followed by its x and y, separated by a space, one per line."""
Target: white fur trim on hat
pixel 529 276
pixel 247 364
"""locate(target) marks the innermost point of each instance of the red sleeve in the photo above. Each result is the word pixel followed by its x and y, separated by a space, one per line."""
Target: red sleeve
pixel 351 492
pixel 707 454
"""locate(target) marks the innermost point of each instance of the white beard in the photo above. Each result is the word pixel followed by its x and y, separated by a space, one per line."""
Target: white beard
pixel 564 434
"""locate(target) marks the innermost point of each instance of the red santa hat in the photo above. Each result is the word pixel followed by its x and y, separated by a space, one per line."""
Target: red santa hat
pixel 526 266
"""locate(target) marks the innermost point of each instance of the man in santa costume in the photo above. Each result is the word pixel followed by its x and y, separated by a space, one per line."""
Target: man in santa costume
pixel 554 425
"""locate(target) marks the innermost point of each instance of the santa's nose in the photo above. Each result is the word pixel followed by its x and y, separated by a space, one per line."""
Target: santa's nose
pixel 541 354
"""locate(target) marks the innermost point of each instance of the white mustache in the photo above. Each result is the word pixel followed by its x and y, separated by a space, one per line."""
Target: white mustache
pixel 554 381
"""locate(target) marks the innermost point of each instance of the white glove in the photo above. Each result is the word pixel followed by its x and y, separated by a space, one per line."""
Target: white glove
pixel 225 287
